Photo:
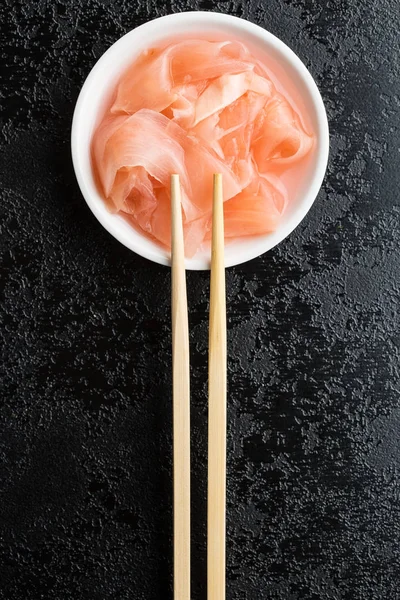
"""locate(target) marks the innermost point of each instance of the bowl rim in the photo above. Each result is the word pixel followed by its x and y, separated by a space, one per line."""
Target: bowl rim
pixel 259 245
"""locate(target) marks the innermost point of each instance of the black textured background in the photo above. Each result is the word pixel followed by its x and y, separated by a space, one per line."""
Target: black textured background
pixel 314 411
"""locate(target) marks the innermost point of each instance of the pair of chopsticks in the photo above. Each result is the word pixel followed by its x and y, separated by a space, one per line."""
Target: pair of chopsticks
pixel 216 404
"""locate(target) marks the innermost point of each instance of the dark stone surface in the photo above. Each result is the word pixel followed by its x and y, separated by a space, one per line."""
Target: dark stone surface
pixel 314 411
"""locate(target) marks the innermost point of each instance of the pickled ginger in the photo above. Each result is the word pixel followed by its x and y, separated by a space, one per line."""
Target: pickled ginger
pixel 196 108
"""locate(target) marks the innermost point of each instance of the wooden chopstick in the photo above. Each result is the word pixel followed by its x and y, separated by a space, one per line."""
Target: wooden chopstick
pixel 181 401
pixel 217 405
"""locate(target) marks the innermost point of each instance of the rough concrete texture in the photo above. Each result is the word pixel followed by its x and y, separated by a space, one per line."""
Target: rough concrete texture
pixel 314 411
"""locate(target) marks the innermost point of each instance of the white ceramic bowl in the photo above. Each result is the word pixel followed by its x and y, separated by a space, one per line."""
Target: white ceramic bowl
pixel 103 77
